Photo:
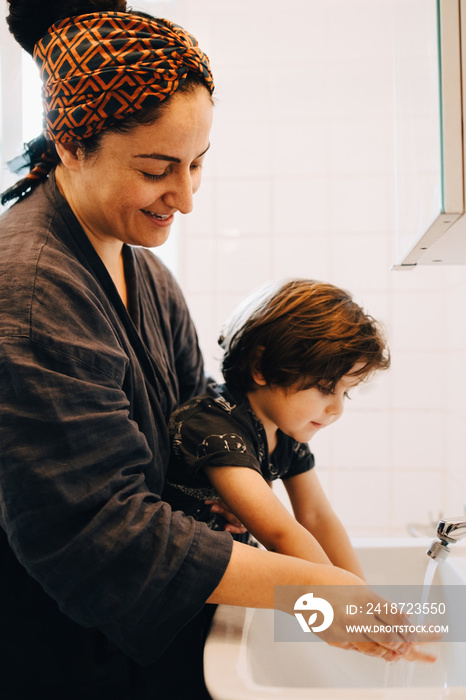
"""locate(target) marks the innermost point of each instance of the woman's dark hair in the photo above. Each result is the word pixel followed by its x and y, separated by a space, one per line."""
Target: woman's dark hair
pixel 29 21
pixel 301 334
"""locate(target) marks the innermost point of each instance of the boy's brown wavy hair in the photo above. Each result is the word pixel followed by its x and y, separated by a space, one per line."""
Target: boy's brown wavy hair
pixel 301 333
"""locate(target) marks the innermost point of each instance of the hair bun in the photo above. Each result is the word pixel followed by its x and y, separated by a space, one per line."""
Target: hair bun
pixel 29 20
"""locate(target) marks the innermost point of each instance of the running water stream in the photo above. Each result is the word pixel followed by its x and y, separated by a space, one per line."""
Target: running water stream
pixel 400 673
pixel 428 578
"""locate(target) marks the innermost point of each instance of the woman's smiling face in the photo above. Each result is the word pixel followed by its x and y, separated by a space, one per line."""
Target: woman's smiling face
pixel 130 190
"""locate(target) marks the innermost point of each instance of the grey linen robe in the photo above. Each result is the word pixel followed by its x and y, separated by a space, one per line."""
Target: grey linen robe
pixel 89 554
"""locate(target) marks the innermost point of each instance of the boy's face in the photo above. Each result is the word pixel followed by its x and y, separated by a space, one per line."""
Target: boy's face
pixel 300 413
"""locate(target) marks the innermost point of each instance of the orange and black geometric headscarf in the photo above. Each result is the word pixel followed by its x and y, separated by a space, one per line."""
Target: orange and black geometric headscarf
pixel 102 67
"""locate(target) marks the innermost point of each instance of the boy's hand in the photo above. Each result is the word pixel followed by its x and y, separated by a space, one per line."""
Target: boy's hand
pixel 233 525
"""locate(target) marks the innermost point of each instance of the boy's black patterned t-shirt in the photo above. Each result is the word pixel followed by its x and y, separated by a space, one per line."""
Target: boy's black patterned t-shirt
pixel 219 429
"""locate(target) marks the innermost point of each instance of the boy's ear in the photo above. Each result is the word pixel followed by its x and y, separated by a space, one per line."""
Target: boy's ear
pixel 256 366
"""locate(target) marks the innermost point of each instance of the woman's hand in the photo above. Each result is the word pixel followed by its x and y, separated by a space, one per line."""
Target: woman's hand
pixel 388 634
pixel 258 579
pixel 233 525
pixel 407 651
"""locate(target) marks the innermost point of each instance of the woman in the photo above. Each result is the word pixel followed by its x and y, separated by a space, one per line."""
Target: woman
pixel 97 348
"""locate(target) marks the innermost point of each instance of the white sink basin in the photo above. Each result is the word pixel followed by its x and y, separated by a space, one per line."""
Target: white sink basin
pixel 242 661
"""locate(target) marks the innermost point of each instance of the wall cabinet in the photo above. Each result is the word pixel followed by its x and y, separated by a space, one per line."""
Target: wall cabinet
pixel 429 79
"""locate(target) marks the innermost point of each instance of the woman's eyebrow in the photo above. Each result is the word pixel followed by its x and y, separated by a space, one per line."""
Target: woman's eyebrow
pixel 161 156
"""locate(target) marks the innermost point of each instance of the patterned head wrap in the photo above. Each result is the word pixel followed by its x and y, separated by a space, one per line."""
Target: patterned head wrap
pixel 102 67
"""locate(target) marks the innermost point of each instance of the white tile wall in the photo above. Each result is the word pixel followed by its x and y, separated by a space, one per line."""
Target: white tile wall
pixel 300 181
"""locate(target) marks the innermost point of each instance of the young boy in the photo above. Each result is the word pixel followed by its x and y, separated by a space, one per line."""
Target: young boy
pixel 292 353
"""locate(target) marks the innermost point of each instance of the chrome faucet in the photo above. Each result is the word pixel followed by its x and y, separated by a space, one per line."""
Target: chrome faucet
pixel 449 531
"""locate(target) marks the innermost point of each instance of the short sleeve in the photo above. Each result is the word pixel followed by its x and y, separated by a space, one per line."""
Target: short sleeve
pixel 300 458
pixel 207 437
